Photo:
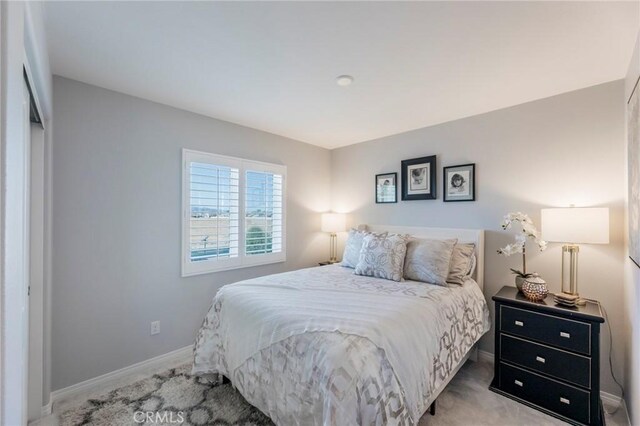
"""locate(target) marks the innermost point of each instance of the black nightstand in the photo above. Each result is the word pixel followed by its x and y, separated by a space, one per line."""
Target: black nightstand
pixel 548 356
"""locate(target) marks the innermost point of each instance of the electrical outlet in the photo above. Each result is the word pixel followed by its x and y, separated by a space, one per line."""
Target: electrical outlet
pixel 155 327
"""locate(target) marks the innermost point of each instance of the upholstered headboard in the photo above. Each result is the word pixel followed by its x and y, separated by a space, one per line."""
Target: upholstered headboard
pixel 475 236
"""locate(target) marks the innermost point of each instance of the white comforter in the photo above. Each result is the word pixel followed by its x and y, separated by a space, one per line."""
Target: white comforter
pixel 415 334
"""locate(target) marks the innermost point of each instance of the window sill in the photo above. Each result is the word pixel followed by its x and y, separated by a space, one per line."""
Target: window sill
pixel 223 268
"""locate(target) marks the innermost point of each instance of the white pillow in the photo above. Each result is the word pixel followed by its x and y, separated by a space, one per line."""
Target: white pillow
pixel 428 260
pixel 352 248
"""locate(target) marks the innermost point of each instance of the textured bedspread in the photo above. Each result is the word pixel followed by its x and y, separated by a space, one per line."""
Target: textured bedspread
pixel 325 346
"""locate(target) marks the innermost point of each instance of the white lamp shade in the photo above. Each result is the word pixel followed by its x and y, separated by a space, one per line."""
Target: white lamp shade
pixel 576 225
pixel 333 222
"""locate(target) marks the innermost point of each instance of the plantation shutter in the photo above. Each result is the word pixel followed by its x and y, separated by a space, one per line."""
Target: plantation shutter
pixel 263 213
pixel 233 213
pixel 214 211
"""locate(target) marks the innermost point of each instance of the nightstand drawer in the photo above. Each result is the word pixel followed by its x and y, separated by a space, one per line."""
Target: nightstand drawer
pixel 550 394
pixel 559 332
pixel 555 362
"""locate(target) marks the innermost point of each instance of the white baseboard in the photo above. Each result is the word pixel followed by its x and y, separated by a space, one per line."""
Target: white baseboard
pixel 485 356
pixel 115 378
pixel 607 398
pixel 46 409
pixel 615 402
pixel 610 399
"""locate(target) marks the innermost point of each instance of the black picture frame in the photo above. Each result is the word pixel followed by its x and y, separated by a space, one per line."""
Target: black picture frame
pixel 390 195
pixel 459 183
pixel 419 178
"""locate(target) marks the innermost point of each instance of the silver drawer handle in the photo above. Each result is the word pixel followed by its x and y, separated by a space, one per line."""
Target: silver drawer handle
pixel 540 359
pixel 519 323
pixel 565 401
pixel 518 382
pixel 565 335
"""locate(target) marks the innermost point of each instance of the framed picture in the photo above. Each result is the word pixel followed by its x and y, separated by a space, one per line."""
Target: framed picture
pixel 633 158
pixel 419 178
pixel 386 188
pixel 459 183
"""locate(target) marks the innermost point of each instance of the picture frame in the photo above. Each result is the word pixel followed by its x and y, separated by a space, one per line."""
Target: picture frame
pixel 459 183
pixel 419 178
pixel 633 167
pixel 386 187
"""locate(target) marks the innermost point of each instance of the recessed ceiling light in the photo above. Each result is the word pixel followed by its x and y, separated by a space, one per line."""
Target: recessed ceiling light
pixel 344 80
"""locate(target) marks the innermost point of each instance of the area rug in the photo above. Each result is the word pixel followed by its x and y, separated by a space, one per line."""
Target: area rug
pixel 173 397
pixel 467 400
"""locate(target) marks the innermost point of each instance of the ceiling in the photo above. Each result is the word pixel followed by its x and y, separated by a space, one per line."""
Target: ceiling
pixel 272 66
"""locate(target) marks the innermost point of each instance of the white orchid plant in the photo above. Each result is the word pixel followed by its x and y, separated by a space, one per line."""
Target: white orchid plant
pixel 529 232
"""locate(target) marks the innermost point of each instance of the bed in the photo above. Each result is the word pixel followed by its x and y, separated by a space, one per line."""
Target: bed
pixel 325 346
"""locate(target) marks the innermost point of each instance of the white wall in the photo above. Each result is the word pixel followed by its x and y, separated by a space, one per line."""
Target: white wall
pixel 568 149
pixel 632 291
pixel 116 224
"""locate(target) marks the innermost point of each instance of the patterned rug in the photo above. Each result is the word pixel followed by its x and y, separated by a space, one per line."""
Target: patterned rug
pixel 467 400
pixel 173 397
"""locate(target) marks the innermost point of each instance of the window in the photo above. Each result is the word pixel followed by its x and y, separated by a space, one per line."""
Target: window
pixel 233 213
pixel 263 213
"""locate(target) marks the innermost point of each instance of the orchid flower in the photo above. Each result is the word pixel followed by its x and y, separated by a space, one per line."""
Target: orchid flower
pixel 529 231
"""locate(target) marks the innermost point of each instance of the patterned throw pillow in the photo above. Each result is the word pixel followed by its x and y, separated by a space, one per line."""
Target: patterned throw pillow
pixel 382 256
pixel 352 247
pixel 462 263
pixel 428 260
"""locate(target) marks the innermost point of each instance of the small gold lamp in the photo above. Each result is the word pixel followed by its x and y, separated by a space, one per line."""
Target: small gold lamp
pixel 571 226
pixel 333 223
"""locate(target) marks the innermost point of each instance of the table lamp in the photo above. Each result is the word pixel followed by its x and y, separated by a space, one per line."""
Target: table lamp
pixel 574 226
pixel 333 223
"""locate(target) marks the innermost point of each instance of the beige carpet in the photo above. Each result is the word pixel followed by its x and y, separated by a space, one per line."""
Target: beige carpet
pixel 466 401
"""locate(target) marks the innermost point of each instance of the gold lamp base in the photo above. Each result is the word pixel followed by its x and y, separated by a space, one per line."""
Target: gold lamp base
pixel 333 247
pixel 570 271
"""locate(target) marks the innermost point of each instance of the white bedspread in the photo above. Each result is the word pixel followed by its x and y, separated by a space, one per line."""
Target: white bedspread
pixel 408 321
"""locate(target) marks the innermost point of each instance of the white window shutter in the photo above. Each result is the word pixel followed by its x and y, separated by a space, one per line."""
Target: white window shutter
pixel 234 213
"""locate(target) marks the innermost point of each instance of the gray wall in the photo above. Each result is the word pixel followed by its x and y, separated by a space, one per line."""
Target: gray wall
pixel 568 149
pixel 116 214
pixel 116 224
pixel 632 291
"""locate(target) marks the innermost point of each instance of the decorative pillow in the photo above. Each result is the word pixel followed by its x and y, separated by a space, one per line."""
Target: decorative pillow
pixel 352 247
pixel 462 263
pixel 428 260
pixel 474 261
pixel 382 256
